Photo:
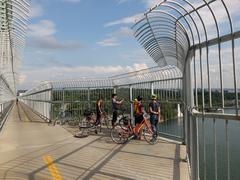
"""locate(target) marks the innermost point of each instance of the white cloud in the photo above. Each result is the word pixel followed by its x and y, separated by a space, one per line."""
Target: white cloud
pixel 151 3
pixel 22 78
pixel 126 20
pixel 148 3
pixel 123 32
pixel 121 1
pixel 138 56
pixel 33 77
pixel 73 1
pixel 112 41
pixel 43 28
pixel 50 42
pixel 36 10
pixel 42 36
pixel 114 37
pixel 137 67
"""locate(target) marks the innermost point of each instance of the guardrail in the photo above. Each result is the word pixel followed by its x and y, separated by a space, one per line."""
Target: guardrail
pixel 213 145
pixel 5 108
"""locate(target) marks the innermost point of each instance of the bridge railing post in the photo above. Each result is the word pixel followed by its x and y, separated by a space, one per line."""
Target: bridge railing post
pixel 194 155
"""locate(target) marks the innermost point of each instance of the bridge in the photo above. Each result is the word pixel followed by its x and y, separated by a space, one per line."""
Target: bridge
pixel 195 45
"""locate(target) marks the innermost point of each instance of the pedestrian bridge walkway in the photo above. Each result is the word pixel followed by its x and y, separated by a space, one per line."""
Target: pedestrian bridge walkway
pixel 31 149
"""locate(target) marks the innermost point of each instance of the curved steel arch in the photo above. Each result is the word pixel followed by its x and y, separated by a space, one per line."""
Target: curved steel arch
pixel 154 45
pixel 164 50
pixel 189 14
pixel 13 22
pixel 136 77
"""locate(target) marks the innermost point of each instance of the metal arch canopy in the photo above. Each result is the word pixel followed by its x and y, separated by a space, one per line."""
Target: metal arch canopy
pixel 13 25
pixel 143 76
pixel 185 15
pixel 147 75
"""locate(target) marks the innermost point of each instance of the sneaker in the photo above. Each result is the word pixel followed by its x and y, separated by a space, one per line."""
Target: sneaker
pixel 141 138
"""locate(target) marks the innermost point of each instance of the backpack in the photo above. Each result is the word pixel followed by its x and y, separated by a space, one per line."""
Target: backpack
pixel 136 109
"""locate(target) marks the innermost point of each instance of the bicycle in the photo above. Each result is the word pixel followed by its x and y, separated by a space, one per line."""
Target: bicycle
pixel 105 121
pixel 124 131
pixel 60 119
pixel 122 117
pixel 88 123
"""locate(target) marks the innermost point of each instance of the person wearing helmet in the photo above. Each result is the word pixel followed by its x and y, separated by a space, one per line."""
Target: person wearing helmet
pixel 154 110
pixel 138 113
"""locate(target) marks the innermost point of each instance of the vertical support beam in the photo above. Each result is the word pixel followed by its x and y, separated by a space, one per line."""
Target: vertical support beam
pixel 63 99
pixel 115 89
pixel 88 96
pixel 190 125
pixel 51 104
pixel 152 88
pixel 131 99
pixel 194 148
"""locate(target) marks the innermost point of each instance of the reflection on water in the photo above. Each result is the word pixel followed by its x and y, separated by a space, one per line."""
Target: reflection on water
pixel 233 129
pixel 172 127
pixel 206 126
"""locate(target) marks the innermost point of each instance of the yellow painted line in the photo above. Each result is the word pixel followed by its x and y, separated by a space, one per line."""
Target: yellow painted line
pixel 52 168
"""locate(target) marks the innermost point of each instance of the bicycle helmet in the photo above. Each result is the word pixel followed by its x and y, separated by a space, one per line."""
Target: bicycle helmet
pixel 114 94
pixel 154 97
pixel 139 98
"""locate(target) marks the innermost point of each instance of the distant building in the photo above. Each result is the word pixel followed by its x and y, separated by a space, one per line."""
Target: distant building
pixel 21 92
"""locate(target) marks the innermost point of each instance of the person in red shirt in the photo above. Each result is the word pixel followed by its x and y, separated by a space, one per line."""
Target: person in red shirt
pixel 138 113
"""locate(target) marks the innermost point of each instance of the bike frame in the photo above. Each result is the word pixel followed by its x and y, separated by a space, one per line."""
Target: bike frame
pixel 139 127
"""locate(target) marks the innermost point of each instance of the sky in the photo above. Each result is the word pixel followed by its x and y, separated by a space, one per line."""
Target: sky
pixel 69 39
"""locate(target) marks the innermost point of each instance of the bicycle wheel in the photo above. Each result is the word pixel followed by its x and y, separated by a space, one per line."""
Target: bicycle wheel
pixel 119 135
pixel 148 135
pixel 73 122
pixel 124 122
pixel 52 122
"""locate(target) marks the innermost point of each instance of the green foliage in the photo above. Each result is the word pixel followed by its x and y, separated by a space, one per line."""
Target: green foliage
pixel 75 101
pixel 229 98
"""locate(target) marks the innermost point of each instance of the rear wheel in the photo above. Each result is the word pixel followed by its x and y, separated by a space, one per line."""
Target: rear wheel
pixel 119 134
pixel 124 122
pixel 148 135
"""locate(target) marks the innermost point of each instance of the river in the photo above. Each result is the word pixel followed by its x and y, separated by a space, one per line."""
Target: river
pixel 175 127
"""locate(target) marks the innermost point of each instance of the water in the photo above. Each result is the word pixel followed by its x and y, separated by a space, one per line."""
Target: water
pixel 175 127
pixel 233 129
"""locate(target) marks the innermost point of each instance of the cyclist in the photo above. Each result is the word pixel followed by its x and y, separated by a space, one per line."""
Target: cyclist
pixel 138 113
pixel 154 110
pixel 99 110
pixel 115 108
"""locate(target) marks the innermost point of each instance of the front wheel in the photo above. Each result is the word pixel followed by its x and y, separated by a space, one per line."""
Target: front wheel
pixel 148 135
pixel 119 135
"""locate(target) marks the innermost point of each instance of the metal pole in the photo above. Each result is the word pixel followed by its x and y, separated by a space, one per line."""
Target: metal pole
pixel 194 148
pixel 131 99
pixel 215 149
pixel 152 88
pixel 227 150
pixel 88 96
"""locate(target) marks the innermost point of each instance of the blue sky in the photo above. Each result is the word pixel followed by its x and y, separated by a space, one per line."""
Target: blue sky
pixel 68 39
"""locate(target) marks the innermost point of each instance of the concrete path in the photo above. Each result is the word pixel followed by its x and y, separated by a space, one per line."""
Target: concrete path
pixel 30 149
